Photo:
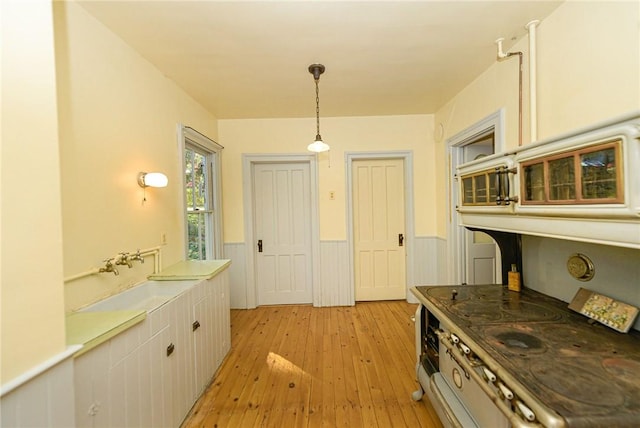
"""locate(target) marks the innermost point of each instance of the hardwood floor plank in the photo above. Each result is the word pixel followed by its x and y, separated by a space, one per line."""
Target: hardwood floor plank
pixel 299 366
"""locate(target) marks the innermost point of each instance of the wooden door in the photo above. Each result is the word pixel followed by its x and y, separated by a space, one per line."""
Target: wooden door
pixel 378 227
pixel 282 204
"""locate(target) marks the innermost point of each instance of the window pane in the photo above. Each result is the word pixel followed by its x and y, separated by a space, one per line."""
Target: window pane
pixel 200 181
pixel 467 189
pixel 534 182
pixel 599 174
pixel 481 188
pixel 196 236
pixel 562 179
pixel 188 177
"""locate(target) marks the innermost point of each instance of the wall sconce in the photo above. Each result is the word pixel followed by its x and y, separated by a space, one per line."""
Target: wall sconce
pixel 151 179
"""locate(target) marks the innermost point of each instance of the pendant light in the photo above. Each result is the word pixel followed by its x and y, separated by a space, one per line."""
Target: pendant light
pixel 318 145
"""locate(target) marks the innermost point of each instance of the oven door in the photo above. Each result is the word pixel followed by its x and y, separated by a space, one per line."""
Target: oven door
pixel 460 390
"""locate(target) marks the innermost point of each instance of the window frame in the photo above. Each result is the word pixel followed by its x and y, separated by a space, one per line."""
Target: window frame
pixel 189 138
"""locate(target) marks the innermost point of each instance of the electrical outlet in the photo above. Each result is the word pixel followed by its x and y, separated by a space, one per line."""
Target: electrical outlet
pixel 163 238
pixel 332 195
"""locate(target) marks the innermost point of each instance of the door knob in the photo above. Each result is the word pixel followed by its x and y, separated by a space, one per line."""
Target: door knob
pixel 400 239
pixel 259 245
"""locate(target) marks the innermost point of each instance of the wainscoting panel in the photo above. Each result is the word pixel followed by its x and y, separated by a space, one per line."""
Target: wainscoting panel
pixel 430 262
pixel 46 400
pixel 235 251
pixel 336 287
pixel 430 267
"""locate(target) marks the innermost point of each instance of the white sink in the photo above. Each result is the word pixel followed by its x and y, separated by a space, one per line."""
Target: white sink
pixel 147 296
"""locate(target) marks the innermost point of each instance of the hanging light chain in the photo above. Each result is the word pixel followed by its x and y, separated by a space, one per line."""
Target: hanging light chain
pixel 317 108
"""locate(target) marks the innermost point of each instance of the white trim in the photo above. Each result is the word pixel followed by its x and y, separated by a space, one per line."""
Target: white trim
pixel 248 160
pixel 456 243
pixel 407 157
pixel 198 139
pixel 38 370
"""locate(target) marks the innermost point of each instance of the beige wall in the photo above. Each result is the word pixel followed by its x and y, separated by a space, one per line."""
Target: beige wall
pixel 118 116
pixel 343 134
pixel 32 311
pixel 588 70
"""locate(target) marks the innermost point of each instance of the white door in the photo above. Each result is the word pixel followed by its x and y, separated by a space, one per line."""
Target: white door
pixel 480 248
pixel 378 228
pixel 282 213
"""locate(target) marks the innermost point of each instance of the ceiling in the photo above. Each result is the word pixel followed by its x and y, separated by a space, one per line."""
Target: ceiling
pixel 249 59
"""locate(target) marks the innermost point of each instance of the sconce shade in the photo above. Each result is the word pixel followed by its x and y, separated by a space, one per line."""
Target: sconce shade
pixel 152 179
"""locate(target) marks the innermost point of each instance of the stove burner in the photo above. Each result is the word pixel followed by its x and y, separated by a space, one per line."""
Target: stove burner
pixel 483 311
pixel 509 339
pixel 520 340
pixel 577 383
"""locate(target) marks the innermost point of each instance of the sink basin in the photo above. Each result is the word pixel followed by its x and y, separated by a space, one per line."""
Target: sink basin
pixel 147 296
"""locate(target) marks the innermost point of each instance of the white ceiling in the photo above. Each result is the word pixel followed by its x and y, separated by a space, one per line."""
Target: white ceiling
pixel 249 59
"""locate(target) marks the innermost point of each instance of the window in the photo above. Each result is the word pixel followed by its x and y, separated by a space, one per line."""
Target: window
pixel 202 196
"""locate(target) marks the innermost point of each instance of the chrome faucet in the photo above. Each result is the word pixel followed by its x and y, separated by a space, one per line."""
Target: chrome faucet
pixel 109 267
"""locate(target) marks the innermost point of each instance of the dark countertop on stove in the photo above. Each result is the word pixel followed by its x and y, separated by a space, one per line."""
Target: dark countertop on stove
pixel 585 372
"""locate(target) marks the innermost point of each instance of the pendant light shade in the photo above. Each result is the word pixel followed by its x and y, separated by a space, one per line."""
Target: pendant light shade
pixel 318 145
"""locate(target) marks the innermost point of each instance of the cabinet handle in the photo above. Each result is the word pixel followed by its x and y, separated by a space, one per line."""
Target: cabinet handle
pixel 498 186
pixel 170 349
pixel 503 187
pixel 195 325
pixel 506 171
pixel 259 245
pixel 400 239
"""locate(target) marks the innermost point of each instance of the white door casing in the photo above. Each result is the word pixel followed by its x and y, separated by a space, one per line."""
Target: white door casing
pixel 378 229
pixel 474 256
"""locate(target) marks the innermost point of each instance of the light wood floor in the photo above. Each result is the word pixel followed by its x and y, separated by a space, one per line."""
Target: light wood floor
pixel 299 366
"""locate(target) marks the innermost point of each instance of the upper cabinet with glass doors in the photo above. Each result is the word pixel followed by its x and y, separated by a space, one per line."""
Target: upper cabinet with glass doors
pixel 487 185
pixel 583 185
pixel 590 175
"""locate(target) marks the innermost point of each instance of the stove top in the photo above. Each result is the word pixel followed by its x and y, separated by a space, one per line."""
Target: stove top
pixel 587 373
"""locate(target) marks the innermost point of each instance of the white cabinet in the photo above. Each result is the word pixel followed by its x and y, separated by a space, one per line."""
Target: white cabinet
pixel 583 186
pixel 151 374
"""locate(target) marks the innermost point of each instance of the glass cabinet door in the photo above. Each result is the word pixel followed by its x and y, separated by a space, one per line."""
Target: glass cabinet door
pixel 599 180
pixel 562 179
pixel 534 182
pixel 589 175
pixel 479 188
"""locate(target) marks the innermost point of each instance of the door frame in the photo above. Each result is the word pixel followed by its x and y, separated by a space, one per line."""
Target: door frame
pixel 248 162
pixel 407 158
pixel 456 242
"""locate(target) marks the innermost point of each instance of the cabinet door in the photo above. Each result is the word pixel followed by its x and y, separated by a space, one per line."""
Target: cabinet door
pixel 182 357
pixel 160 384
pixel 203 342
pixel 590 175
